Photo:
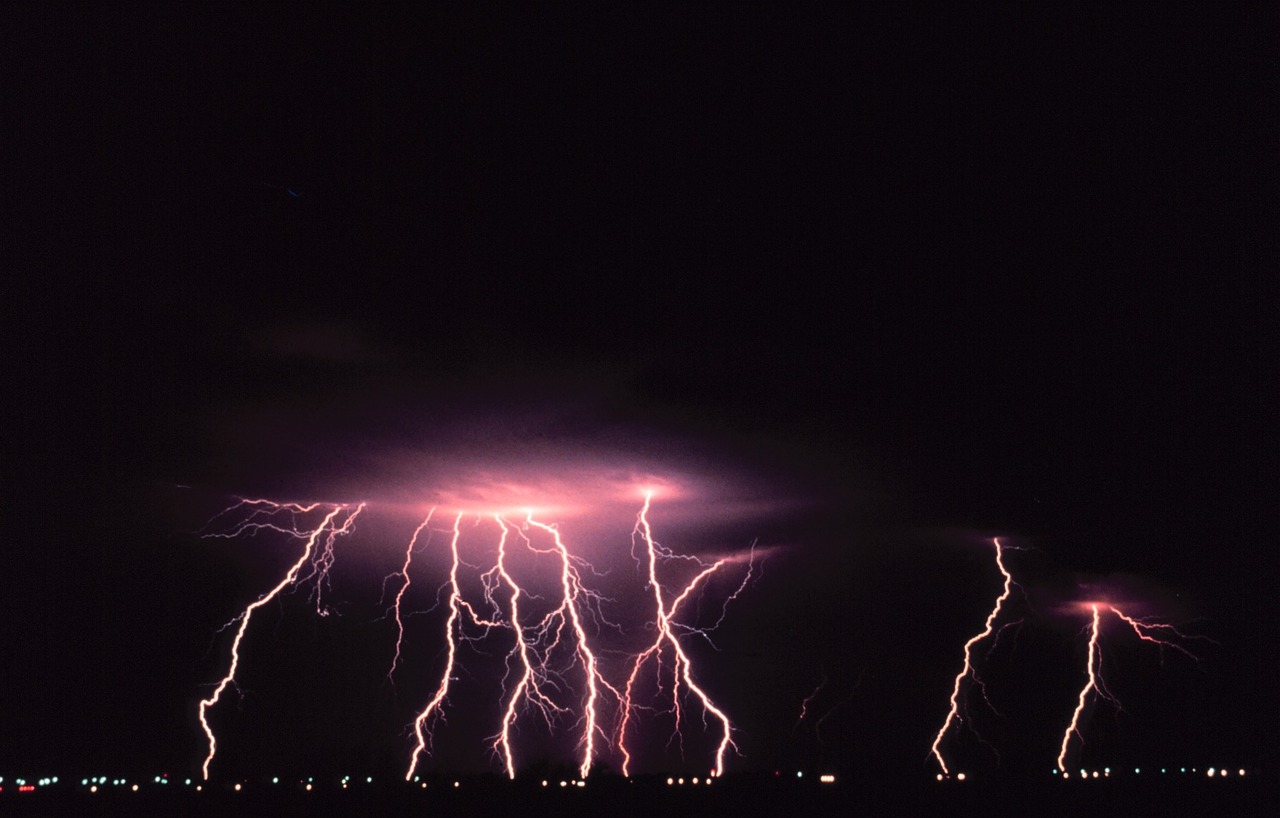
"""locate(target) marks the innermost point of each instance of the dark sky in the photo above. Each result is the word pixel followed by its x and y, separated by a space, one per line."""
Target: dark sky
pixel 924 277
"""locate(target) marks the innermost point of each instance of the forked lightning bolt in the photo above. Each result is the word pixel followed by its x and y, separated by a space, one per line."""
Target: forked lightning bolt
pixel 967 670
pixel 571 608
pixel 452 632
pixel 1093 667
pixel 532 673
pixel 682 669
pixel 1093 682
pixel 267 515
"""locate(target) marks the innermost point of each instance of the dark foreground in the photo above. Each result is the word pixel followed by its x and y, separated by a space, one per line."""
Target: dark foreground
pixel 655 799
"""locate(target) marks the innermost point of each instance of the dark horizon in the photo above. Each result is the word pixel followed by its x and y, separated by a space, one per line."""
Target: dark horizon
pixel 878 286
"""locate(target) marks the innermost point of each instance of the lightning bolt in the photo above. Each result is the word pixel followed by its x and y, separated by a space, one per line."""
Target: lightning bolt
pixel 682 669
pixel 808 700
pixel 1093 683
pixel 953 715
pixel 404 572
pixel 263 515
pixel 571 586
pixel 532 673
pixel 451 629
pixel 1093 667
pixel 552 667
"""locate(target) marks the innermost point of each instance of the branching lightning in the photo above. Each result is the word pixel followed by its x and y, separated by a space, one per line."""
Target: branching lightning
pixel 571 609
pixel 1094 682
pixel 953 715
pixel 1093 666
pixel 529 688
pixel 265 515
pixel 452 632
pixel 666 635
pixel 553 667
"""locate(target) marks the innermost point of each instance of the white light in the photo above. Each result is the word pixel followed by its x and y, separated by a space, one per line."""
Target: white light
pixel 369 780
pixel 457 784
pixel 959 776
pixel 566 783
pixel 308 788
pixel 1095 773
pixel 670 781
pixel 135 787
pixel 237 788
pixel 582 783
pixel 827 778
pixel 275 780
pixel 1211 772
pixel 799 774
pixel 939 776
pixel 544 782
pixel 1241 771
pixel 695 779
pixel 94 788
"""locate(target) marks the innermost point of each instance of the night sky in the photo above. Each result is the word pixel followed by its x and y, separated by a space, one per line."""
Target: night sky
pixel 876 286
